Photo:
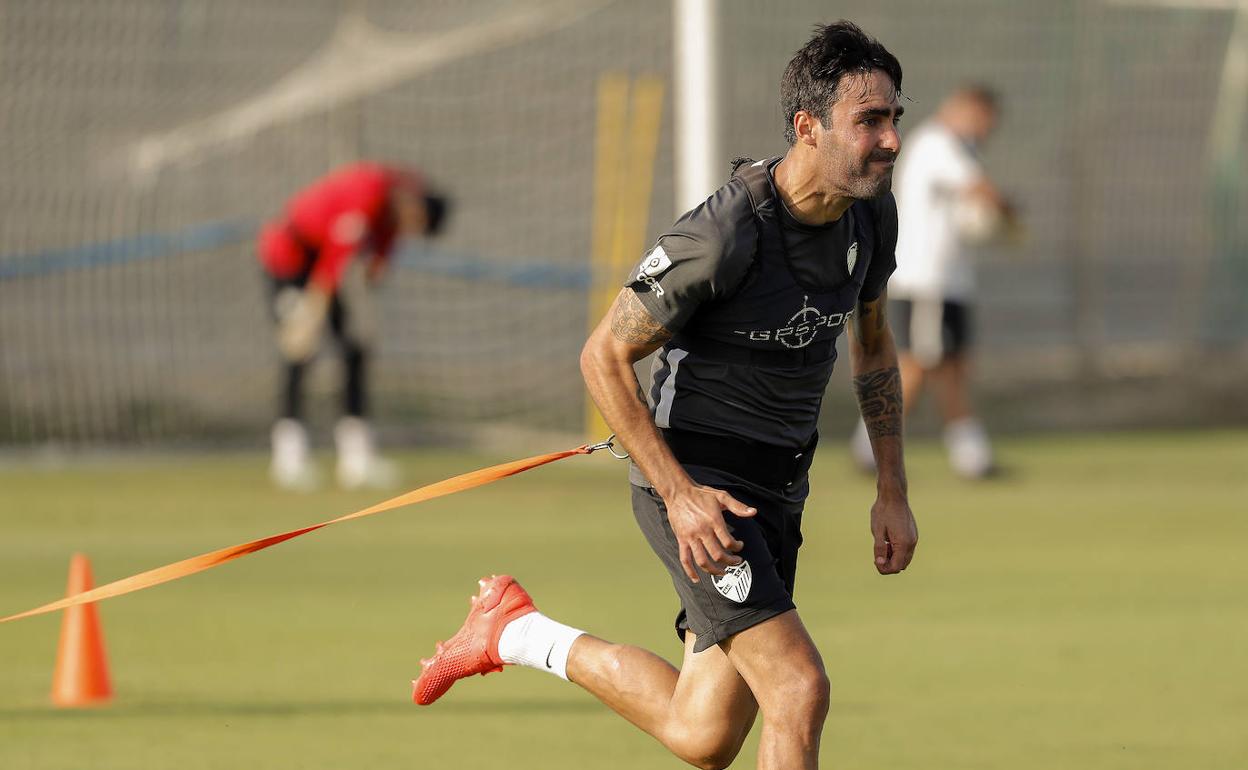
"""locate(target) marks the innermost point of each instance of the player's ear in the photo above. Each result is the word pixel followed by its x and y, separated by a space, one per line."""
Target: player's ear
pixel 804 127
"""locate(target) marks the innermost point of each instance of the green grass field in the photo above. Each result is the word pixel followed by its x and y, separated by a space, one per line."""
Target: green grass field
pixel 1090 611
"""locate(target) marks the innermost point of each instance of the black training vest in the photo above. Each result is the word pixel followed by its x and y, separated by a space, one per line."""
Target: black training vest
pixel 772 319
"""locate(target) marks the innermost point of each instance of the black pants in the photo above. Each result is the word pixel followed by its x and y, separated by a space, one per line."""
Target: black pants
pixel 354 357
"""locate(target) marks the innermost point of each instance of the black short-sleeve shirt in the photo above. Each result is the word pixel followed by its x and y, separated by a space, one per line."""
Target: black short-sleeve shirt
pixel 749 294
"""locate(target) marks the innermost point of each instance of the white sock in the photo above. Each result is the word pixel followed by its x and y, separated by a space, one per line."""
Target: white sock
pixel 538 642
pixel 354 441
pixel 290 444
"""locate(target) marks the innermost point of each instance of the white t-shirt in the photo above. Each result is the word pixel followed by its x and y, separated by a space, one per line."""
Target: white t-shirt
pixel 933 173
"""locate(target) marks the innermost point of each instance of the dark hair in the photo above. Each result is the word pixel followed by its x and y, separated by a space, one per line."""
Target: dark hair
pixel 982 93
pixel 812 80
pixel 436 208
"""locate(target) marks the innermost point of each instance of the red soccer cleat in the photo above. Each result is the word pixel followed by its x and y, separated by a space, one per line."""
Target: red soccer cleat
pixel 474 647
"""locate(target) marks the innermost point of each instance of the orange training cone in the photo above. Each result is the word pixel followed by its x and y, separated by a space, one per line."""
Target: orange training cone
pixel 81 676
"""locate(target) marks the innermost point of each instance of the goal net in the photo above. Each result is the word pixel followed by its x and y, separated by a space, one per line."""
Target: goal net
pixel 147 141
pixel 143 143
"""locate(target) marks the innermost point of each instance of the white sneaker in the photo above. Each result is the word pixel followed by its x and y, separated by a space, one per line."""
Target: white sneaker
pixel 375 473
pixel 291 466
pixel 970 453
pixel 359 465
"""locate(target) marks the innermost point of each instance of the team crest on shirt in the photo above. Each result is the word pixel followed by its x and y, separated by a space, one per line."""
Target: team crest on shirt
pixel 851 256
pixel 735 583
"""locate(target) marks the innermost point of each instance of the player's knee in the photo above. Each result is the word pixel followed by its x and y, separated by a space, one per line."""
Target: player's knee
pixel 819 689
pixel 708 750
pixel 711 745
pixel 716 761
pixel 801 698
pixel 813 696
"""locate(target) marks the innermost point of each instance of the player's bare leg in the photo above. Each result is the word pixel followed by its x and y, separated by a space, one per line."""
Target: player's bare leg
pixel 704 712
pixel 784 671
pixel 970 451
pixel 701 713
pixel 950 380
pixel 913 377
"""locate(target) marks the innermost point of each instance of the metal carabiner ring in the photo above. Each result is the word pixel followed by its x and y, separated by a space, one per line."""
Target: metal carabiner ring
pixel 608 445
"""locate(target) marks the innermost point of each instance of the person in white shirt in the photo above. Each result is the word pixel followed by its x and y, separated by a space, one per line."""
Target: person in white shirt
pixel 946 203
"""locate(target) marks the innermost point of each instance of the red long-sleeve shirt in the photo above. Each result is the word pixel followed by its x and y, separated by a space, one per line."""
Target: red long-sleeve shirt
pixel 344 213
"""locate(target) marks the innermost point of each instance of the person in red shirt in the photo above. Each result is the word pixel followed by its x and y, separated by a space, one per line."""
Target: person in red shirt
pixel 328 248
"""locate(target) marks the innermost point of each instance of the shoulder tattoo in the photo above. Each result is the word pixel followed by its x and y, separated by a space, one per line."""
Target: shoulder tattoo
pixel 632 323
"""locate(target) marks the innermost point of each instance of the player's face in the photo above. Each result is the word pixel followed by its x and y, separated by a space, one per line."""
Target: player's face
pixel 861 143
pixel 985 122
pixel 409 211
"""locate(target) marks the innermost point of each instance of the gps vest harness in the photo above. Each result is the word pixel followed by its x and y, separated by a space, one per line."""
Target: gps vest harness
pixel 773 319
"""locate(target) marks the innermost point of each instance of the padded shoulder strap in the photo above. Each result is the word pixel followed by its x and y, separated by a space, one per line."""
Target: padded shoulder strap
pixel 867 219
pixel 877 211
pixel 754 174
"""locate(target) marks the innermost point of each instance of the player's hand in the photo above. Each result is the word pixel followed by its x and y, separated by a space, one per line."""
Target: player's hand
pixel 896 534
pixel 299 328
pixel 696 514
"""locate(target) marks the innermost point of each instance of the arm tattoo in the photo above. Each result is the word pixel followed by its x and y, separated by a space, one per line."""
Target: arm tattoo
pixel 632 323
pixel 869 320
pixel 879 398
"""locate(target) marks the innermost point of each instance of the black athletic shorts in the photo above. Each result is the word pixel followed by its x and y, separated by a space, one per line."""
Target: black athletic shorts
pixel 761 587
pixel 930 330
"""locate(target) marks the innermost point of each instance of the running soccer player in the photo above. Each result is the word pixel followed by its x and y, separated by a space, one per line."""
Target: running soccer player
pixel 325 252
pixel 947 204
pixel 743 299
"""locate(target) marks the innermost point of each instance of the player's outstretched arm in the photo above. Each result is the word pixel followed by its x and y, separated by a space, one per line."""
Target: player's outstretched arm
pixel 627 334
pixel 877 383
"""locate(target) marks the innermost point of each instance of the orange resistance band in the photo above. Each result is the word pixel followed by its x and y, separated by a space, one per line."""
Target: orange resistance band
pixel 206 561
